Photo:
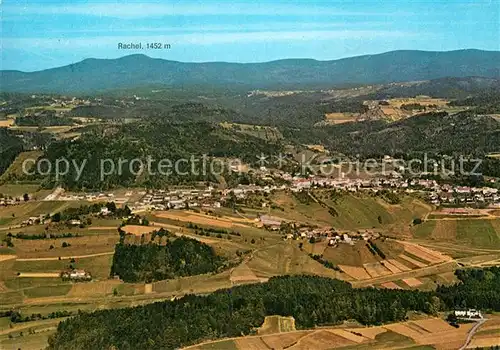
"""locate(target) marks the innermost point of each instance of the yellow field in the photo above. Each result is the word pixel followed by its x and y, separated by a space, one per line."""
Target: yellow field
pixel 339 118
pixel 412 261
pixel 5 123
pixel 276 324
pixel 390 285
pixel 412 282
pixel 433 257
pixel 243 273
pixel 203 219
pixel 404 335
pixel 38 275
pixel 138 230
pixel 358 273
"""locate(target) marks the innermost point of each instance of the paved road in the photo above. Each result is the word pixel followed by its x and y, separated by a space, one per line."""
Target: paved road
pixel 472 332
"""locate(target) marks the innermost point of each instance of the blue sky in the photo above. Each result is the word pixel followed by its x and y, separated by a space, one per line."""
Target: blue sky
pixel 38 35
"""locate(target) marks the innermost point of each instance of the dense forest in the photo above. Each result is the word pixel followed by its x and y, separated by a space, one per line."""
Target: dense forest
pixel 237 311
pixel 153 262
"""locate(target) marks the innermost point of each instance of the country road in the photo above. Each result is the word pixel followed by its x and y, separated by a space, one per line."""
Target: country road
pixel 65 257
pixel 472 332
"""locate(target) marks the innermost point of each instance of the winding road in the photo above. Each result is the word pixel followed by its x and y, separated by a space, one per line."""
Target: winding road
pixel 472 332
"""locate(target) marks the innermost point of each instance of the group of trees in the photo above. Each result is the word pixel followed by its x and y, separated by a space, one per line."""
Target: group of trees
pixel 44 118
pixel 76 213
pixel 311 300
pixel 17 317
pixel 326 263
pixel 153 262
pixel 42 235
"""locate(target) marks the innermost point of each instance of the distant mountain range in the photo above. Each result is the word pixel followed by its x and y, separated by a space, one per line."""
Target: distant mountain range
pixel 93 75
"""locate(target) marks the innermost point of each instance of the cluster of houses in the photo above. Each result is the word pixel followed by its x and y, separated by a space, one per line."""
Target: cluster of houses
pixel 351 238
pixel 76 275
pixel 94 197
pixel 4 202
pixel 437 193
pixel 447 194
pixel 34 220
pixel 179 199
pixel 64 101
pixel 468 314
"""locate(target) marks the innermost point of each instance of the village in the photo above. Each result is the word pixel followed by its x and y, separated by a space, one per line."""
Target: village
pixel 211 197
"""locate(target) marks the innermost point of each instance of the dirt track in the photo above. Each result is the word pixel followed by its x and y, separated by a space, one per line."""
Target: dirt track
pixel 38 274
pixel 66 257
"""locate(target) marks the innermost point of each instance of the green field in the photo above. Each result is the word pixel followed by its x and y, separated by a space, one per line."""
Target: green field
pixel 425 229
pixel 98 266
pixel 478 233
pixel 17 190
pixel 27 341
pixel 47 291
pixel 25 282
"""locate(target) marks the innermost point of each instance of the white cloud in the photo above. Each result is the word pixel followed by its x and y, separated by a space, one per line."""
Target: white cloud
pixel 145 10
pixel 205 38
pixel 203 28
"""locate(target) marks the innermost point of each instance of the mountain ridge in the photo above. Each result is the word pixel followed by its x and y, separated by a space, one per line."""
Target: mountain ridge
pixel 94 74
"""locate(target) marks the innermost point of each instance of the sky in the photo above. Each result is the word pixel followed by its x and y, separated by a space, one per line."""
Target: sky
pixel 37 35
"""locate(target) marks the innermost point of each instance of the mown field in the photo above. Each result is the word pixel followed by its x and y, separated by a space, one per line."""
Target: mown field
pixel 419 333
pixel 478 233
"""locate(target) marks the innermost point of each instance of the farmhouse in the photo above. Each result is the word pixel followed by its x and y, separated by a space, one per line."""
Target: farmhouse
pixel 76 275
pixel 471 313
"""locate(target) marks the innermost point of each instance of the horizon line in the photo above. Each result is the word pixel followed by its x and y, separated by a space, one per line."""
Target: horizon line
pixel 246 63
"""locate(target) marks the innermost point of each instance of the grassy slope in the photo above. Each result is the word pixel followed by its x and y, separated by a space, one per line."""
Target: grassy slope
pixel 354 212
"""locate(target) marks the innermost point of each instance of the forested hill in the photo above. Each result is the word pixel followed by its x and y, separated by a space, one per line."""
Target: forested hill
pixel 159 139
pixel 232 312
pixel 139 70
pixel 465 133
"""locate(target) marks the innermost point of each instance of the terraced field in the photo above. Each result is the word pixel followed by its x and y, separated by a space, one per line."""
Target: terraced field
pixel 426 333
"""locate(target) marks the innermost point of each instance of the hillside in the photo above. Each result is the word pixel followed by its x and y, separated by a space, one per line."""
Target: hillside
pixel 159 140
pixel 428 132
pixel 140 70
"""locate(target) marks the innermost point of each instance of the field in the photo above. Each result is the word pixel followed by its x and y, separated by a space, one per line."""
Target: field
pixel 15 170
pixel 276 324
pixel 403 262
pixel 393 110
pixel 5 123
pixel 423 333
pixel 18 213
pixel 287 258
pixel 339 118
pixel 488 334
pixel 204 219
pixel 261 131
pixel 471 232
pixel 354 212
